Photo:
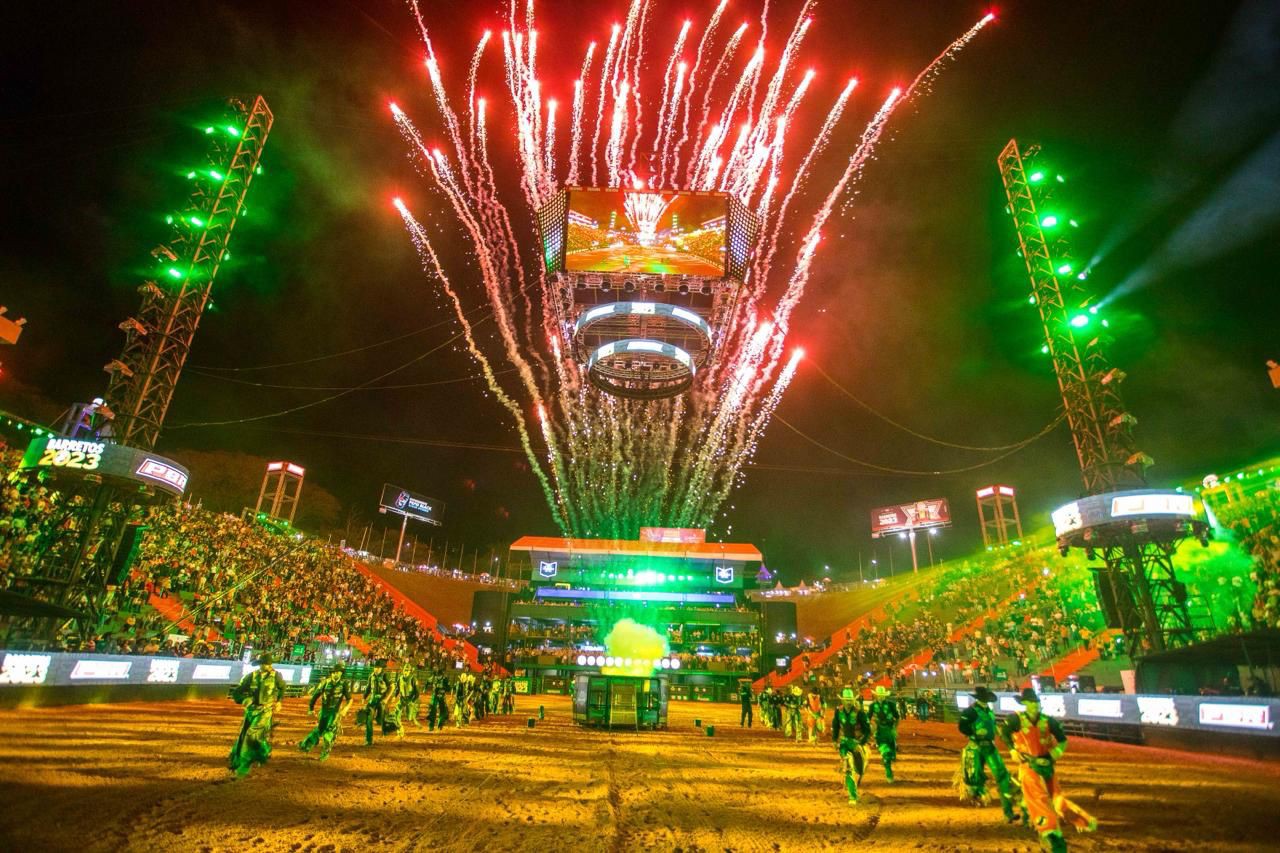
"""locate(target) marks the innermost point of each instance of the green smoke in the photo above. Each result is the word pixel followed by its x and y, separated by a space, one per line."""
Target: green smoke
pixel 635 648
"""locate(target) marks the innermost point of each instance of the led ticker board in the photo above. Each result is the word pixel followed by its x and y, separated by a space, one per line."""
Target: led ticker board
pixel 1096 510
pixel 70 457
pixel 62 669
pixel 404 502
pixel 904 517
pixel 1240 715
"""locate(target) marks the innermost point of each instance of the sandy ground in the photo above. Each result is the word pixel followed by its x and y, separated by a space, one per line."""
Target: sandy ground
pixel 153 777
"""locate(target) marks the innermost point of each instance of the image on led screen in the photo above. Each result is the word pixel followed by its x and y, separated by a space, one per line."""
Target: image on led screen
pixel 656 233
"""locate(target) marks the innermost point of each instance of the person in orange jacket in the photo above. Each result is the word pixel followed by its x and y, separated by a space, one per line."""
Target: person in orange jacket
pixel 814 712
pixel 1036 742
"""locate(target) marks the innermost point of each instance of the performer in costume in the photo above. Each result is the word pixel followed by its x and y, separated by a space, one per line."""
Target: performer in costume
pixel 261 692
pixel 884 714
pixel 748 701
pixel 334 695
pixel 376 687
pixel 850 731
pixel 1037 742
pixel 978 724
pixel 815 709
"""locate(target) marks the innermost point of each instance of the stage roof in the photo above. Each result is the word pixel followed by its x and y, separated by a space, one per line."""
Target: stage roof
pixel 632 548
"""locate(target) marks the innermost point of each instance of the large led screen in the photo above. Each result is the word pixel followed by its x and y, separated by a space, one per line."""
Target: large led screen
pixel 643 231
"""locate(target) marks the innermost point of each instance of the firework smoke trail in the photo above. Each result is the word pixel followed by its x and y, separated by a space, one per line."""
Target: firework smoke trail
pixel 579 96
pixel 600 102
pixel 660 131
pixel 729 49
pixel 613 464
pixel 707 35
pixel 428 254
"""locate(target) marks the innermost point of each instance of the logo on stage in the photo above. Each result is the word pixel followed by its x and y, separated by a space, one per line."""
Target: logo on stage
pixel 724 574
pixel 547 569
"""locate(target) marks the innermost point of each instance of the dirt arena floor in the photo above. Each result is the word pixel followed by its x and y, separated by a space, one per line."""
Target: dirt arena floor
pixel 152 777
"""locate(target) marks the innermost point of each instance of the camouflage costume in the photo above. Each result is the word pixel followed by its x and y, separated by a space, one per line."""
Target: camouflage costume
pixel 261 692
pixel 334 695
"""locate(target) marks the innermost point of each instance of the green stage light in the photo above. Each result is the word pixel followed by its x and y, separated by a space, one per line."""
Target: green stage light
pixel 1061 179
pixel 208 130
pixel 191 176
pixel 1045 349
pixel 217 176
pixel 1106 323
pixel 232 130
pixel 1079 321
pixel 1036 177
pixel 169 219
pixel 196 221
pixel 1093 309
pixel 1064 269
pixel 174 272
pixel 1073 223
pixel 1032 299
pixel 1049 221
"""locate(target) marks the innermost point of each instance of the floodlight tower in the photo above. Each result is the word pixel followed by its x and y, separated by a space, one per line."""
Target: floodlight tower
pixel 77 567
pixel 158 339
pixel 281 491
pixel 998 514
pixel 1134 529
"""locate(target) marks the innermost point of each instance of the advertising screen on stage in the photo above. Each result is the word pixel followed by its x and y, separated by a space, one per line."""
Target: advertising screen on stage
pixel 903 517
pixel 405 502
pixel 645 231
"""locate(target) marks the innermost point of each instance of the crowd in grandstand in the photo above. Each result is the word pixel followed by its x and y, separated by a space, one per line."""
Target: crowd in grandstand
pixel 1255 521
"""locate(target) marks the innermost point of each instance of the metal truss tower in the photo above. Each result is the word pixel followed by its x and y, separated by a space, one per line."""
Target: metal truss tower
pixel 1138 586
pixel 158 339
pixel 78 566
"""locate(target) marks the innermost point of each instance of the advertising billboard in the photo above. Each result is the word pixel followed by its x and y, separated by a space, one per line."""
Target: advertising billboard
pixel 903 517
pixel 70 457
pixel 404 502
pixel 686 535
pixel 646 231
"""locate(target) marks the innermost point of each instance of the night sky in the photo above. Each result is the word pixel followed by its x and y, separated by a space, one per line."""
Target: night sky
pixel 1164 119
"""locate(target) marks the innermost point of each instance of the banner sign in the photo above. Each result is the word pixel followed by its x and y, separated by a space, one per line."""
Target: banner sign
pixel 404 502
pixel 62 669
pixel 683 535
pixel 72 457
pixel 903 517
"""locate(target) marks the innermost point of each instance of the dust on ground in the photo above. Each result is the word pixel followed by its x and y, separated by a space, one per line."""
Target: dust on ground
pixel 150 776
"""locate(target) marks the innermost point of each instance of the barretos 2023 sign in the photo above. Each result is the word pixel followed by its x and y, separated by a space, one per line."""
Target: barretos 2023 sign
pixel 416 506
pixel 71 457
pixel 896 519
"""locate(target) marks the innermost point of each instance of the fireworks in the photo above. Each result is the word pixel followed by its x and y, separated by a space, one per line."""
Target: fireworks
pixel 609 466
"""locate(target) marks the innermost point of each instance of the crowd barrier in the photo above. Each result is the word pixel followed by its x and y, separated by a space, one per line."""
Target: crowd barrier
pixel 26 677
pixel 1250 716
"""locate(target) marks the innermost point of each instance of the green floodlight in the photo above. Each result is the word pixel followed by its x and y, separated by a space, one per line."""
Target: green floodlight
pixel 1032 299
pixel 1073 223
pixel 174 272
pixel 232 130
pixel 196 221
pixel 1093 309
pixel 1061 179
pixel 208 130
pixel 217 176
pixel 1036 177
pixel 1045 349
pixel 191 176
pixel 1079 321
pixel 1064 269
pixel 1049 221
pixel 169 219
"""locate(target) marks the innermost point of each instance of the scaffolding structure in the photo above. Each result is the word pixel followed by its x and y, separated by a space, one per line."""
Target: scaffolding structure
pixel 1138 584
pixel 281 492
pixel 94 513
pixel 998 515
pixel 158 339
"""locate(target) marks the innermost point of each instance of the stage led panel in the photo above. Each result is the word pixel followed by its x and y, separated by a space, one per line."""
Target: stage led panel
pixel 646 232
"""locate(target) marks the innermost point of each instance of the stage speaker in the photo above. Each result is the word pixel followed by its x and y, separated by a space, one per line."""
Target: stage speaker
pixel 489 607
pixel 779 629
pixel 126 553
pixel 1115 595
